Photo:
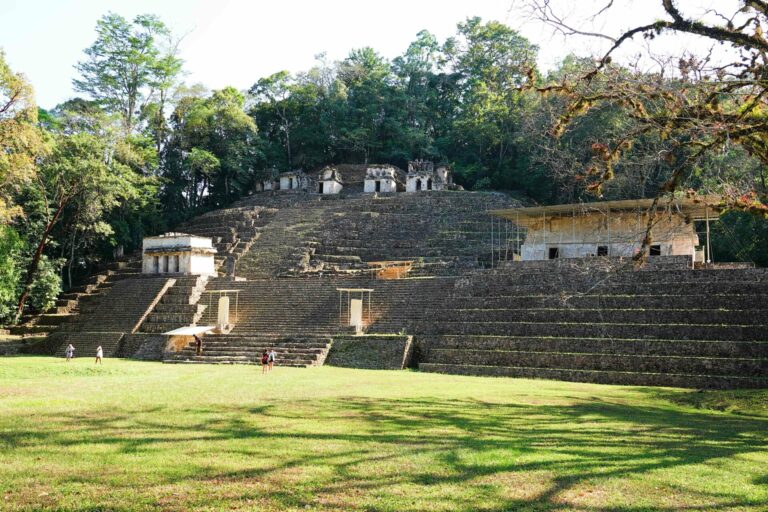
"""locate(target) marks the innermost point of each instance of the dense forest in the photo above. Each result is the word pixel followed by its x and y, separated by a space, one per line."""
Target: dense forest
pixel 140 150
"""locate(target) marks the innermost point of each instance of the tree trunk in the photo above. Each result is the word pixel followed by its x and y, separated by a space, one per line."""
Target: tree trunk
pixel 32 270
pixel 71 259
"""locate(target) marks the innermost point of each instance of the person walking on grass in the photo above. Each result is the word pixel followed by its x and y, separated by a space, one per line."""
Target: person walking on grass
pixel 271 358
pixel 99 355
pixel 264 362
pixel 70 352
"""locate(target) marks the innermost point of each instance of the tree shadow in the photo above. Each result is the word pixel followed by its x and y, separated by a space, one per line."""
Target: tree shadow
pixel 453 450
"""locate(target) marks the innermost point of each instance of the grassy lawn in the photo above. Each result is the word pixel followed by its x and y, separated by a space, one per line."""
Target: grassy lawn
pixel 147 436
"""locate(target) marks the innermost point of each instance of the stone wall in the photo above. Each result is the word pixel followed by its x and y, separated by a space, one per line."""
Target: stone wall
pixel 147 347
pixel 371 352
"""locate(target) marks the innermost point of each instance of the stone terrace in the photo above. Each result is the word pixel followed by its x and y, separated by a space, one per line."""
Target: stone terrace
pixel 444 233
pixel 107 317
pixel 573 320
pixel 595 320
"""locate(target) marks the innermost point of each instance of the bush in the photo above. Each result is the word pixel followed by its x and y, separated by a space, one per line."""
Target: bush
pixel 46 286
pixel 11 246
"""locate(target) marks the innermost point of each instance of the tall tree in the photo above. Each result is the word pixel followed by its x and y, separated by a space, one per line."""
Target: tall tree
pixel 21 142
pixel 129 65
pixel 81 173
pixel 491 61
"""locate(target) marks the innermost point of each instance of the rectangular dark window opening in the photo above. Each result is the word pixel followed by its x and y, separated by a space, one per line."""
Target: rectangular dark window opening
pixel 655 250
pixel 378 186
pixel 602 250
pixel 554 253
pixel 320 187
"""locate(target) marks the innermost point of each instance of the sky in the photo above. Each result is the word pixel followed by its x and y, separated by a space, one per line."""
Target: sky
pixel 236 42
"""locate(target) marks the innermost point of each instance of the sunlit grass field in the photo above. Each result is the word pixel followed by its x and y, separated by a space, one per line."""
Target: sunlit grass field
pixel 146 436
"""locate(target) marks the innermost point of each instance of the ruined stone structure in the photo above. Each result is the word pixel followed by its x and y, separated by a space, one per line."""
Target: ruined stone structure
pixel 178 253
pixel 460 304
pixel 384 179
pixel 329 181
pixel 423 177
pixel 613 228
pixel 352 179
pixel 269 183
pixel 294 180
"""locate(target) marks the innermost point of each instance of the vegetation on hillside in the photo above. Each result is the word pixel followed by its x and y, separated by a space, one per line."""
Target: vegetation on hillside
pixel 141 150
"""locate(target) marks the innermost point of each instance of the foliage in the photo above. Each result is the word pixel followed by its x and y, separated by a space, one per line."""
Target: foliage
pixel 212 152
pixel 20 140
pixel 130 65
pixel 46 286
pixel 11 246
pixel 692 107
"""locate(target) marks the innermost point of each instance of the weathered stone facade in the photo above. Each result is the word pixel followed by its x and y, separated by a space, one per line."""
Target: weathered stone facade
pixel 593 320
pixel 371 352
pixel 178 253
pixel 422 177
pixel 383 179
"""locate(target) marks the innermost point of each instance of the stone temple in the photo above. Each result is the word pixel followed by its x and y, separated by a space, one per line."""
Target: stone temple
pixel 330 268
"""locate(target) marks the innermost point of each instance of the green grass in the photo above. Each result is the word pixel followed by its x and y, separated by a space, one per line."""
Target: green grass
pixel 147 436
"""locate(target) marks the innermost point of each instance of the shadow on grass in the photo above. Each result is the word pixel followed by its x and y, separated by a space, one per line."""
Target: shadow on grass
pixel 454 450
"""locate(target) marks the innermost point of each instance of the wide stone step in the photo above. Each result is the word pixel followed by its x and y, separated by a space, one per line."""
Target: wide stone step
pixel 30 329
pixel 607 330
pixel 632 316
pixel 604 362
pixel 601 377
pixel 692 348
pixel 635 301
pixel 225 359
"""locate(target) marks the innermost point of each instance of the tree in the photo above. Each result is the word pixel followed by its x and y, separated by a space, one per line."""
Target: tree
pixel 77 171
pixel 11 248
pixel 212 153
pixel 129 66
pixel 698 105
pixel 275 93
pixel 21 142
pixel 491 62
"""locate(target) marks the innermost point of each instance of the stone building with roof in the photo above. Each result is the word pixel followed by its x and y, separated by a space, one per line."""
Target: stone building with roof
pixel 422 176
pixel 614 228
pixel 384 179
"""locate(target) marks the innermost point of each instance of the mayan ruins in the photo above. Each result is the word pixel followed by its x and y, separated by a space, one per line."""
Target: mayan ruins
pixel 447 281
pixel 430 256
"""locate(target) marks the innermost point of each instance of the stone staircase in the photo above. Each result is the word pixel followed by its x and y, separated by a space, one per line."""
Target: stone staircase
pixel 180 306
pixel 572 320
pixel 442 233
pixel 286 243
pixel 106 317
pixel 300 351
pixel 232 230
pixel 67 306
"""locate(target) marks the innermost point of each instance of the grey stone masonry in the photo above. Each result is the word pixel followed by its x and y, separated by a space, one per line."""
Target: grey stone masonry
pixel 371 352
pixel 604 321
pixel 299 351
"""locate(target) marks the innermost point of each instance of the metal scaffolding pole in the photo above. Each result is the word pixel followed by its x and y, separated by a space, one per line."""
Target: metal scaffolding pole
pixel 709 247
pixel 491 241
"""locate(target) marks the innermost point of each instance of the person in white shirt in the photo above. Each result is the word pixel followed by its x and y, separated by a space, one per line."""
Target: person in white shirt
pixel 99 355
pixel 70 351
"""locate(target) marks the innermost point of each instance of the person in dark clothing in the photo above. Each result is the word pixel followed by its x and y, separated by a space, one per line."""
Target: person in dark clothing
pixel 198 345
pixel 264 362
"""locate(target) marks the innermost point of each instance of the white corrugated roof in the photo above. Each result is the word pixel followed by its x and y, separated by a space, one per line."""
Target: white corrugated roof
pixel 190 330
